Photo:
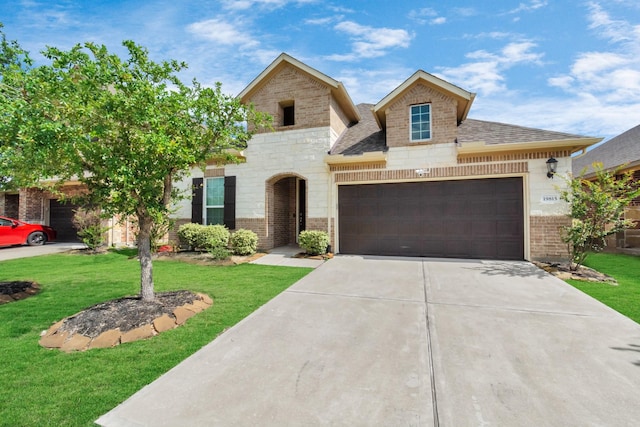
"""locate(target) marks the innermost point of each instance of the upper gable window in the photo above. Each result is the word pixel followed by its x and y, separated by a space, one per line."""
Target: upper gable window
pixel 287 112
pixel 420 122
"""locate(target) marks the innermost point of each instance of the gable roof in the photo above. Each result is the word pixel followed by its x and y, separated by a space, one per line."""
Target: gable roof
pixel 464 98
pixel 620 151
pixel 336 87
pixel 362 137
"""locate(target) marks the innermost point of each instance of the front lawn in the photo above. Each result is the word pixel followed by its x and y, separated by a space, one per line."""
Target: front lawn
pixel 43 387
pixel 625 297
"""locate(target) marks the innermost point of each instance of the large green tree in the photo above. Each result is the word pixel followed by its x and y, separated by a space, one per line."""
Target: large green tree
pixel 127 129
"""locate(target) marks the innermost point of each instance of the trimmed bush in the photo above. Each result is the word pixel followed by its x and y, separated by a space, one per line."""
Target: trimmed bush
pixel 204 237
pixel 187 234
pixel 244 242
pixel 220 253
pixel 314 242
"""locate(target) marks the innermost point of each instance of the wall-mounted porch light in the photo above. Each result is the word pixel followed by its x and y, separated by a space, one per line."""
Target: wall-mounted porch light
pixel 552 166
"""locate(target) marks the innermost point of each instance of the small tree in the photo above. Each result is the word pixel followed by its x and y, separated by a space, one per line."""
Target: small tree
pixel 88 222
pixel 597 211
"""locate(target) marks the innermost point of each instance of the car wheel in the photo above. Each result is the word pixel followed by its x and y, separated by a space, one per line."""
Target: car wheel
pixel 36 239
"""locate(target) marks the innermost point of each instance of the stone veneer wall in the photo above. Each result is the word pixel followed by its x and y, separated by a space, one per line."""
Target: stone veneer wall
pixel 546 243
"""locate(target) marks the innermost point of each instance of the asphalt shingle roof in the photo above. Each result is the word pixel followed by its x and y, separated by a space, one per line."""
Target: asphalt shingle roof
pixel 623 149
pixel 366 136
pixel 472 130
pixel 362 137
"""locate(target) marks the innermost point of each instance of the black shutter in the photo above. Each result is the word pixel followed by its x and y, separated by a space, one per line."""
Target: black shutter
pixel 196 200
pixel 230 202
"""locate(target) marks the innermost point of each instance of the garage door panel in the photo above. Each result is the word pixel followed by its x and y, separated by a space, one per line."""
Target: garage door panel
pixel 507 228
pixel 61 219
pixel 484 229
pixel 480 218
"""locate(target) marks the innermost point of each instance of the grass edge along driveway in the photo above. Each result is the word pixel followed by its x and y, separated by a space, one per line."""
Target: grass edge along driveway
pixel 50 388
pixel 624 298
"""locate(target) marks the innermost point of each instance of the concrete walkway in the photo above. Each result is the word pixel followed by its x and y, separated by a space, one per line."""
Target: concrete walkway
pixel 285 256
pixel 421 342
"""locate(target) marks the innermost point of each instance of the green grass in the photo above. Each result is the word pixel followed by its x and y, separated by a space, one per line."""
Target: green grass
pixel 42 387
pixel 624 298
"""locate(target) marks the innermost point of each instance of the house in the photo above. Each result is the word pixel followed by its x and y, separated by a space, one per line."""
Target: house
pixel 410 176
pixel 620 153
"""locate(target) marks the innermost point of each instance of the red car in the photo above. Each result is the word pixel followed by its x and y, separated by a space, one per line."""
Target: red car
pixel 14 232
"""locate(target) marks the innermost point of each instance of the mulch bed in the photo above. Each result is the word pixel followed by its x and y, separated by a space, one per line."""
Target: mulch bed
pixel 125 314
pixel 14 291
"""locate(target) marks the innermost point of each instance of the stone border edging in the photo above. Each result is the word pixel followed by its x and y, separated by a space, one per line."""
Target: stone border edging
pixel 29 291
pixel 52 338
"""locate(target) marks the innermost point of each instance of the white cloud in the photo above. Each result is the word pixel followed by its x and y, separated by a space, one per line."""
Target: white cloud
pixel 602 87
pixel 464 12
pixel 613 76
pixel 426 15
pixel 615 30
pixel 357 81
pixel 222 32
pixel 321 21
pixel 370 42
pixel 528 7
pixel 485 74
pixel 250 4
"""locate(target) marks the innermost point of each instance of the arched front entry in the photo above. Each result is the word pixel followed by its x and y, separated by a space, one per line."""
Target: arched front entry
pixel 286 209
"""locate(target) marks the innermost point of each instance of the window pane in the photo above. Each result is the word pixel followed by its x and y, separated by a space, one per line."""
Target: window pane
pixel 215 216
pixel 215 192
pixel 420 122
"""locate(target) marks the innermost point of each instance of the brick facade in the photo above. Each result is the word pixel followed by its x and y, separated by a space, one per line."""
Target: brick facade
pixel 545 238
pixel 444 125
pixel 311 99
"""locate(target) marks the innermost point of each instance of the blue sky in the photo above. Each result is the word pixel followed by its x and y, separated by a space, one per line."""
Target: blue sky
pixel 571 66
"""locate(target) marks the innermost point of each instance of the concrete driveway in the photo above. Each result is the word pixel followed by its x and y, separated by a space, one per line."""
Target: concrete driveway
pixel 366 341
pixel 13 252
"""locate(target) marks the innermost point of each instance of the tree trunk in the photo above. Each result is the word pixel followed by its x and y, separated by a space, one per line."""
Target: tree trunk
pixel 144 254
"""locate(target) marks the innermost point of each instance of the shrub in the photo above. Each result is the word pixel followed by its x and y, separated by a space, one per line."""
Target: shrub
pixel 204 237
pixel 244 242
pixel 220 253
pixel 314 242
pixel 88 222
pixel 187 234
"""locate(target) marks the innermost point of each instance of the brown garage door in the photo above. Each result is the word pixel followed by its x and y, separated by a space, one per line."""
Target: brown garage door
pixel 60 218
pixel 480 218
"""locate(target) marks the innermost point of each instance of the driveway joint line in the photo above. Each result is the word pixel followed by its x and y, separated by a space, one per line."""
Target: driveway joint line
pixel 432 373
pixel 519 310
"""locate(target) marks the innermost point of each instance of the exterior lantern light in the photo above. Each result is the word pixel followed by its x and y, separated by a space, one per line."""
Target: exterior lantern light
pixel 552 166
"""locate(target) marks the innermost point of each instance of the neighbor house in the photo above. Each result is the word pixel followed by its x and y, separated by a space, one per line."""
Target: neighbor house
pixel 621 154
pixel 411 175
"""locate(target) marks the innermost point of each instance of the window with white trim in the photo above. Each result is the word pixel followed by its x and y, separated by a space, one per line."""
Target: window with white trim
pixel 420 122
pixel 214 201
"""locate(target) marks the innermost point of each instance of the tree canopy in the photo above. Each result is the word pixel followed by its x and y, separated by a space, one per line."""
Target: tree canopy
pixel 125 128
